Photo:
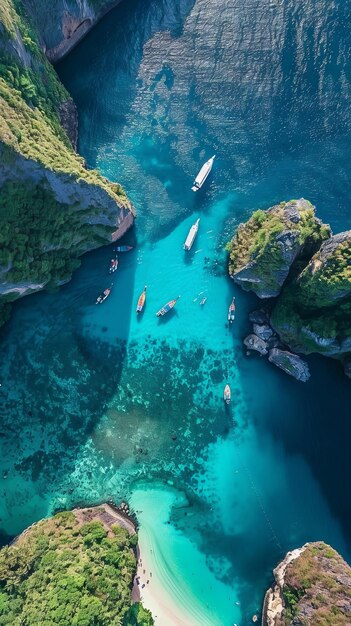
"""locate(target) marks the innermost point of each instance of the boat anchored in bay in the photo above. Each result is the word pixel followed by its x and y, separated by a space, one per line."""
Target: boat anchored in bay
pixel 203 173
pixel 227 395
pixel 141 301
pixel 191 235
pixel 123 248
pixel 167 307
pixel 231 312
pixel 104 295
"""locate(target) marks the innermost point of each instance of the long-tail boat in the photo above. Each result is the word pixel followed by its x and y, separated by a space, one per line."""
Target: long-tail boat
pixel 227 396
pixel 103 296
pixel 141 301
pixel 167 307
pixel 231 312
pixel 123 248
pixel 113 265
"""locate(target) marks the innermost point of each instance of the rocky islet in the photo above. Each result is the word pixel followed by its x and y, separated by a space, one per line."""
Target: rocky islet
pixel 288 254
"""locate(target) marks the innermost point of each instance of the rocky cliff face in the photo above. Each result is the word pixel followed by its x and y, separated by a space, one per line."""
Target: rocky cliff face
pixel 313 313
pixel 264 248
pixel 286 252
pixel 312 588
pixel 63 23
pixel 52 209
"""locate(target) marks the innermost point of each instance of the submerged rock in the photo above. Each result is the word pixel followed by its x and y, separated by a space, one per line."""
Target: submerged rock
pixel 258 317
pixel 312 586
pixel 290 363
pixel 252 342
pixel 263 331
pixel 347 368
pixel 263 249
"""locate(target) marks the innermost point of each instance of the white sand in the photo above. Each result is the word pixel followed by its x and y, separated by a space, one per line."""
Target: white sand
pixel 181 590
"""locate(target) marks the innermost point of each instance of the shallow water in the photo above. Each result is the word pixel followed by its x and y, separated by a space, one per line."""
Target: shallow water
pixel 98 404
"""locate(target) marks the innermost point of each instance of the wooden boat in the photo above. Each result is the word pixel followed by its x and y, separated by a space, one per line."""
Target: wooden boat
pixel 167 307
pixel 141 301
pixel 103 296
pixel 203 173
pixel 227 396
pixel 123 248
pixel 203 301
pixel 191 235
pixel 231 312
pixel 113 265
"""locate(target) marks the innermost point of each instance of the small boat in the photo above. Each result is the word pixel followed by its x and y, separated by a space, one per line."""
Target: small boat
pixel 203 301
pixel 113 265
pixel 231 312
pixel 191 235
pixel 141 301
pixel 123 248
pixel 227 396
pixel 103 296
pixel 167 307
pixel 203 173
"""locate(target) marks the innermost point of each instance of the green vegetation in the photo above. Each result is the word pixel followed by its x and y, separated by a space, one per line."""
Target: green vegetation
pixel 64 572
pixel 318 302
pixel 257 243
pixel 257 238
pixel 41 236
pixel 317 589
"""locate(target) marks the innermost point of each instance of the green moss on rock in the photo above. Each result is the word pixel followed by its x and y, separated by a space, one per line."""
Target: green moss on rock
pixel 264 249
pixel 315 589
pixel 313 314
pixel 52 208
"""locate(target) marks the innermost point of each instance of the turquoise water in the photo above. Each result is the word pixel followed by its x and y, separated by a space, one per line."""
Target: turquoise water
pixel 98 404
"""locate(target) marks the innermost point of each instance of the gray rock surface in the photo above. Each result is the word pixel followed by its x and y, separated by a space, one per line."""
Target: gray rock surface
pixel 258 317
pixel 63 23
pixel 263 331
pixel 252 342
pixel 290 363
pixel 264 248
pixel 312 587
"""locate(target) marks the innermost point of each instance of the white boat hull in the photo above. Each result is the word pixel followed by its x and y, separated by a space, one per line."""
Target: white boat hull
pixel 203 174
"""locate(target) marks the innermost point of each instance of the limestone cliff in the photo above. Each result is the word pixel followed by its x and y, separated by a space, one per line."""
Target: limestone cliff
pixel 263 249
pixel 52 209
pixel 313 314
pixel 63 23
pixel 312 588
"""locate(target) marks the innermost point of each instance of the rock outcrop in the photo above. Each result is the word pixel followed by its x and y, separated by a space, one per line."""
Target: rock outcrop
pixel 287 253
pixel 77 567
pixel 62 23
pixel 52 208
pixel 290 363
pixel 264 248
pixel 252 342
pixel 313 314
pixel 312 587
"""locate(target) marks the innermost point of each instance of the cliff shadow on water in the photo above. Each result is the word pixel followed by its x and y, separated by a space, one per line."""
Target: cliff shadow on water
pixel 125 129
pixel 61 360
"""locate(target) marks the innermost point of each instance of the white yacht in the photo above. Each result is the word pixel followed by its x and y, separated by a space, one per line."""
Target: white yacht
pixel 203 173
pixel 191 235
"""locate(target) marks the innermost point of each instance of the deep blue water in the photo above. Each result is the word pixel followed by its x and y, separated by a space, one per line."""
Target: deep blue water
pixel 96 404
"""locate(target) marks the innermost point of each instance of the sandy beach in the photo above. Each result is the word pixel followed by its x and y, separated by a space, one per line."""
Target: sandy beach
pixel 168 565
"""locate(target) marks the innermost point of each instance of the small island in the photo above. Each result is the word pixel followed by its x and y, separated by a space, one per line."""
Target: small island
pixel 74 569
pixel 288 257
pixel 312 588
